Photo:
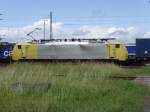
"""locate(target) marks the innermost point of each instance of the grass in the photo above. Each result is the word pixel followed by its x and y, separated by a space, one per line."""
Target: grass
pixel 74 88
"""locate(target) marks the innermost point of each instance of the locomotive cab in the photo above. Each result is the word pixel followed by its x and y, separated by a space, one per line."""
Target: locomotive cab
pixel 117 51
pixel 24 51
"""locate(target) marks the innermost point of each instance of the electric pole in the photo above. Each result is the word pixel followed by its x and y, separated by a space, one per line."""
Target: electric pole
pixel 44 30
pixel 51 26
pixel 1 18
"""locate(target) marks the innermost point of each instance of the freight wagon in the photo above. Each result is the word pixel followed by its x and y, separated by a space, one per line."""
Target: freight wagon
pixel 131 47
pixel 143 49
pixel 139 52
pixel 70 51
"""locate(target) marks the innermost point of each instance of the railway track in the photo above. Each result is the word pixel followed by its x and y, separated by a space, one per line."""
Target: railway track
pixel 136 78
pixel 122 78
pixel 132 67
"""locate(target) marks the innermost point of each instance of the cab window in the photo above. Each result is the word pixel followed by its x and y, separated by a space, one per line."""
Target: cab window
pixel 19 46
pixel 117 45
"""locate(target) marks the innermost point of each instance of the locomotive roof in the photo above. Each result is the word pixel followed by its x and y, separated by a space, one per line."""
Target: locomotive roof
pixel 6 43
pixel 131 44
pixel 66 43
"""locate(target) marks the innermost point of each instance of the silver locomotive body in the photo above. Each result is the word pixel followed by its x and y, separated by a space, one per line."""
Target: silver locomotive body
pixel 72 51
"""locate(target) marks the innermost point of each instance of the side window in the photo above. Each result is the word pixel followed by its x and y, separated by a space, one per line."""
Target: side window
pixel 2 48
pixel 19 46
pixel 117 45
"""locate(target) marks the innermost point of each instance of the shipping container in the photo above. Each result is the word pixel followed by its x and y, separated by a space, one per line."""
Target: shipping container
pixel 131 47
pixel 143 48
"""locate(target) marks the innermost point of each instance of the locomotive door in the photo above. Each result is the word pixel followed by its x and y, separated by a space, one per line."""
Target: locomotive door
pixel 112 51
pixel 24 51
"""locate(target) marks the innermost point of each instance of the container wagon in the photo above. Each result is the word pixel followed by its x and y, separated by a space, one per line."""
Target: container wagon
pixel 5 51
pixel 139 52
pixel 131 47
pixel 143 49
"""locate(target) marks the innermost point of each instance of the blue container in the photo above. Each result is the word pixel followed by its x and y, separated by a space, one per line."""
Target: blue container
pixel 5 50
pixel 143 48
pixel 131 49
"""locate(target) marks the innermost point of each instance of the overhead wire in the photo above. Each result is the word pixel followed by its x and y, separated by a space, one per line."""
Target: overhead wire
pixel 78 21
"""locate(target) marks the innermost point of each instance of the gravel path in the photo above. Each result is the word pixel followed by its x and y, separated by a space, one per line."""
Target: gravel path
pixel 145 80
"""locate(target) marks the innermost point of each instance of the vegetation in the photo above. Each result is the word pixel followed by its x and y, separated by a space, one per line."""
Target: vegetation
pixel 74 88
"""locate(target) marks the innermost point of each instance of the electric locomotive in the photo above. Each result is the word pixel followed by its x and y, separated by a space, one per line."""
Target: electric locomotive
pixel 89 49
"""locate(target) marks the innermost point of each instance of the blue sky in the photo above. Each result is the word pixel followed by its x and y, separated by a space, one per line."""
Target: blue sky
pixel 95 12
pixel 122 19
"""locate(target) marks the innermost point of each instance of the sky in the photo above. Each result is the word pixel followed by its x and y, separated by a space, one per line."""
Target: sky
pixel 85 17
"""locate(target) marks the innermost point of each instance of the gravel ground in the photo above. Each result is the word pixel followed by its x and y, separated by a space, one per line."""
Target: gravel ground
pixel 145 80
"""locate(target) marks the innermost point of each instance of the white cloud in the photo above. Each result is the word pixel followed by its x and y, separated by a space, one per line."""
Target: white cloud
pixel 123 34
pixel 128 34
pixel 147 35
pixel 17 34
